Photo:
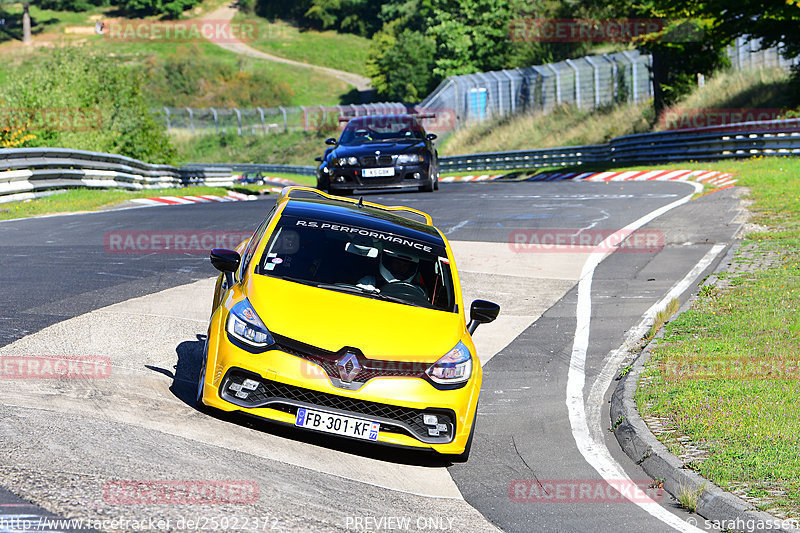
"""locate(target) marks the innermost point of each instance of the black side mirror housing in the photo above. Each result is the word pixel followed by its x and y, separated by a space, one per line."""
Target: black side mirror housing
pixel 481 312
pixel 331 141
pixel 431 136
pixel 318 159
pixel 226 261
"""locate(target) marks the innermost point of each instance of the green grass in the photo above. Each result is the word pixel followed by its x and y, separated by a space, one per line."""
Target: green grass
pixel 78 200
pixel 294 148
pixel 340 51
pixel 306 86
pixel 726 372
pixel 569 126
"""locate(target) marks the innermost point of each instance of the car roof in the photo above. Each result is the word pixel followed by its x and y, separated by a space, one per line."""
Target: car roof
pixel 351 214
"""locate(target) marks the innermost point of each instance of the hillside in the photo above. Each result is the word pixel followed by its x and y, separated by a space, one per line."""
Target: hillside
pixel 766 90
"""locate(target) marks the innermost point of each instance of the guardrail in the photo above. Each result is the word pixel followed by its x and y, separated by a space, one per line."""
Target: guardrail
pixel 31 172
pixel 255 167
pixel 742 140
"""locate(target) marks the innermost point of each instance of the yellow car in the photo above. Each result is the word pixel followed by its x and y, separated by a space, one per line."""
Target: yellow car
pixel 346 317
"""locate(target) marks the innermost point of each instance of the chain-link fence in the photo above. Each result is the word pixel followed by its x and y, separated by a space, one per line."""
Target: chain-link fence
pixel 588 83
pixel 266 120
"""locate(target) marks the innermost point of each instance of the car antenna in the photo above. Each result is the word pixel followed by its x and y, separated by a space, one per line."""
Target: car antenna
pixel 361 202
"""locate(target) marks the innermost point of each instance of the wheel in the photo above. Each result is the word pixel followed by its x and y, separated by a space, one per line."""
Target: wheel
pixel 428 187
pixel 198 402
pixel 436 185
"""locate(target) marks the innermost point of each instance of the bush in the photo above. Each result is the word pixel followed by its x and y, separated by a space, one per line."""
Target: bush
pixel 70 98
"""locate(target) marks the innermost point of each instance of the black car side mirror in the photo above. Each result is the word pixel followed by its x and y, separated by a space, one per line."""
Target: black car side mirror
pixel 481 312
pixel 318 159
pixel 331 141
pixel 226 261
pixel 431 136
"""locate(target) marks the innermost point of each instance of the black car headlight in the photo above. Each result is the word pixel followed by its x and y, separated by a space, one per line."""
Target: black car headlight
pixel 246 326
pixel 407 159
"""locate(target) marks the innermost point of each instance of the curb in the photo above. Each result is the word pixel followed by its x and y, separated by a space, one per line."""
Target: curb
pixel 714 504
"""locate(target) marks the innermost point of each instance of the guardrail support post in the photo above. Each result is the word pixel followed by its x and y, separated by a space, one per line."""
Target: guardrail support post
pixel 238 119
pixel 191 119
pixel 285 122
pixel 596 76
pixel 216 119
pixel 558 82
pixel 166 110
pixel 577 82
pixel 263 122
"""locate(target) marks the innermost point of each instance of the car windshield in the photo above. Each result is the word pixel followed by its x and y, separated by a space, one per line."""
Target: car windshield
pixel 359 260
pixel 381 128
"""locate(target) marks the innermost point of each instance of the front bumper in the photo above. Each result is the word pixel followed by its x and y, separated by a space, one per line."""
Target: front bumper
pixel 287 382
pixel 353 178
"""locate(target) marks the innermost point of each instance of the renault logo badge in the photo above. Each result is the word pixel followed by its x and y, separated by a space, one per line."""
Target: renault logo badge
pixel 348 367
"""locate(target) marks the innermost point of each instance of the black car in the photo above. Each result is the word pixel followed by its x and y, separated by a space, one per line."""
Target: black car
pixel 377 152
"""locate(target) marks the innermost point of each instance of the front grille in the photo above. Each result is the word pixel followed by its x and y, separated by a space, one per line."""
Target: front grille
pixel 287 398
pixel 377 161
pixel 370 368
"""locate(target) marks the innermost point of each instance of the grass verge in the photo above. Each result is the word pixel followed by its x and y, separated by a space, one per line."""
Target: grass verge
pixel 78 200
pixel 724 379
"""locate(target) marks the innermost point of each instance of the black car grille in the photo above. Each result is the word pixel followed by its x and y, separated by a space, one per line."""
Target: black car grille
pixel 288 398
pixel 377 161
pixel 370 368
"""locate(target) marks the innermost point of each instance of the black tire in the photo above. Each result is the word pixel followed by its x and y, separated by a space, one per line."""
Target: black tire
pixel 436 184
pixel 428 187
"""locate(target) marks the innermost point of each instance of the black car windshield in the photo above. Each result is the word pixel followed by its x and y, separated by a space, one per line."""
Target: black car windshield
pixel 361 261
pixel 382 128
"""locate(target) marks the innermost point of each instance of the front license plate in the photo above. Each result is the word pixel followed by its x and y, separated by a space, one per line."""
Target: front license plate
pixel 338 424
pixel 376 172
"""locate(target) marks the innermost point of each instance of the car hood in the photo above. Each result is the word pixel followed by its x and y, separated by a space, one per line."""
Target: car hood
pixel 332 320
pixel 369 148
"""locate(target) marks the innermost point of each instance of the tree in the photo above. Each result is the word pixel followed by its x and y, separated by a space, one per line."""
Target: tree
pixel 470 35
pixel 401 66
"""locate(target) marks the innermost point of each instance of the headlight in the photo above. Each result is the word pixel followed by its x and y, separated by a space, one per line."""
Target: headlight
pixel 245 325
pixel 454 367
pixel 345 161
pixel 405 159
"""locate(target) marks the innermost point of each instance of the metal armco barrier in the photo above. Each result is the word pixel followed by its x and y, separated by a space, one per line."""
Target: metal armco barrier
pixel 24 172
pixel 255 167
pixel 743 140
pixel 28 172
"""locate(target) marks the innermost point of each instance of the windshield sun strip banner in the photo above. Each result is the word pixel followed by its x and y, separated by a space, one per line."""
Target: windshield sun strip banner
pixel 366 232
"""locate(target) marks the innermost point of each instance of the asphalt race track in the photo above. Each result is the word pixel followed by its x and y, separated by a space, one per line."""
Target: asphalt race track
pixel 543 416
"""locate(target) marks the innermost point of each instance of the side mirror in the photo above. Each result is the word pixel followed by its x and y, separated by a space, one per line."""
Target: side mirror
pixel 431 136
pixel 226 261
pixel 331 141
pixel 481 312
pixel 318 159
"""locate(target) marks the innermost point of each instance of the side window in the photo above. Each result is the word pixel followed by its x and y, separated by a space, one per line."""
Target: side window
pixel 253 244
